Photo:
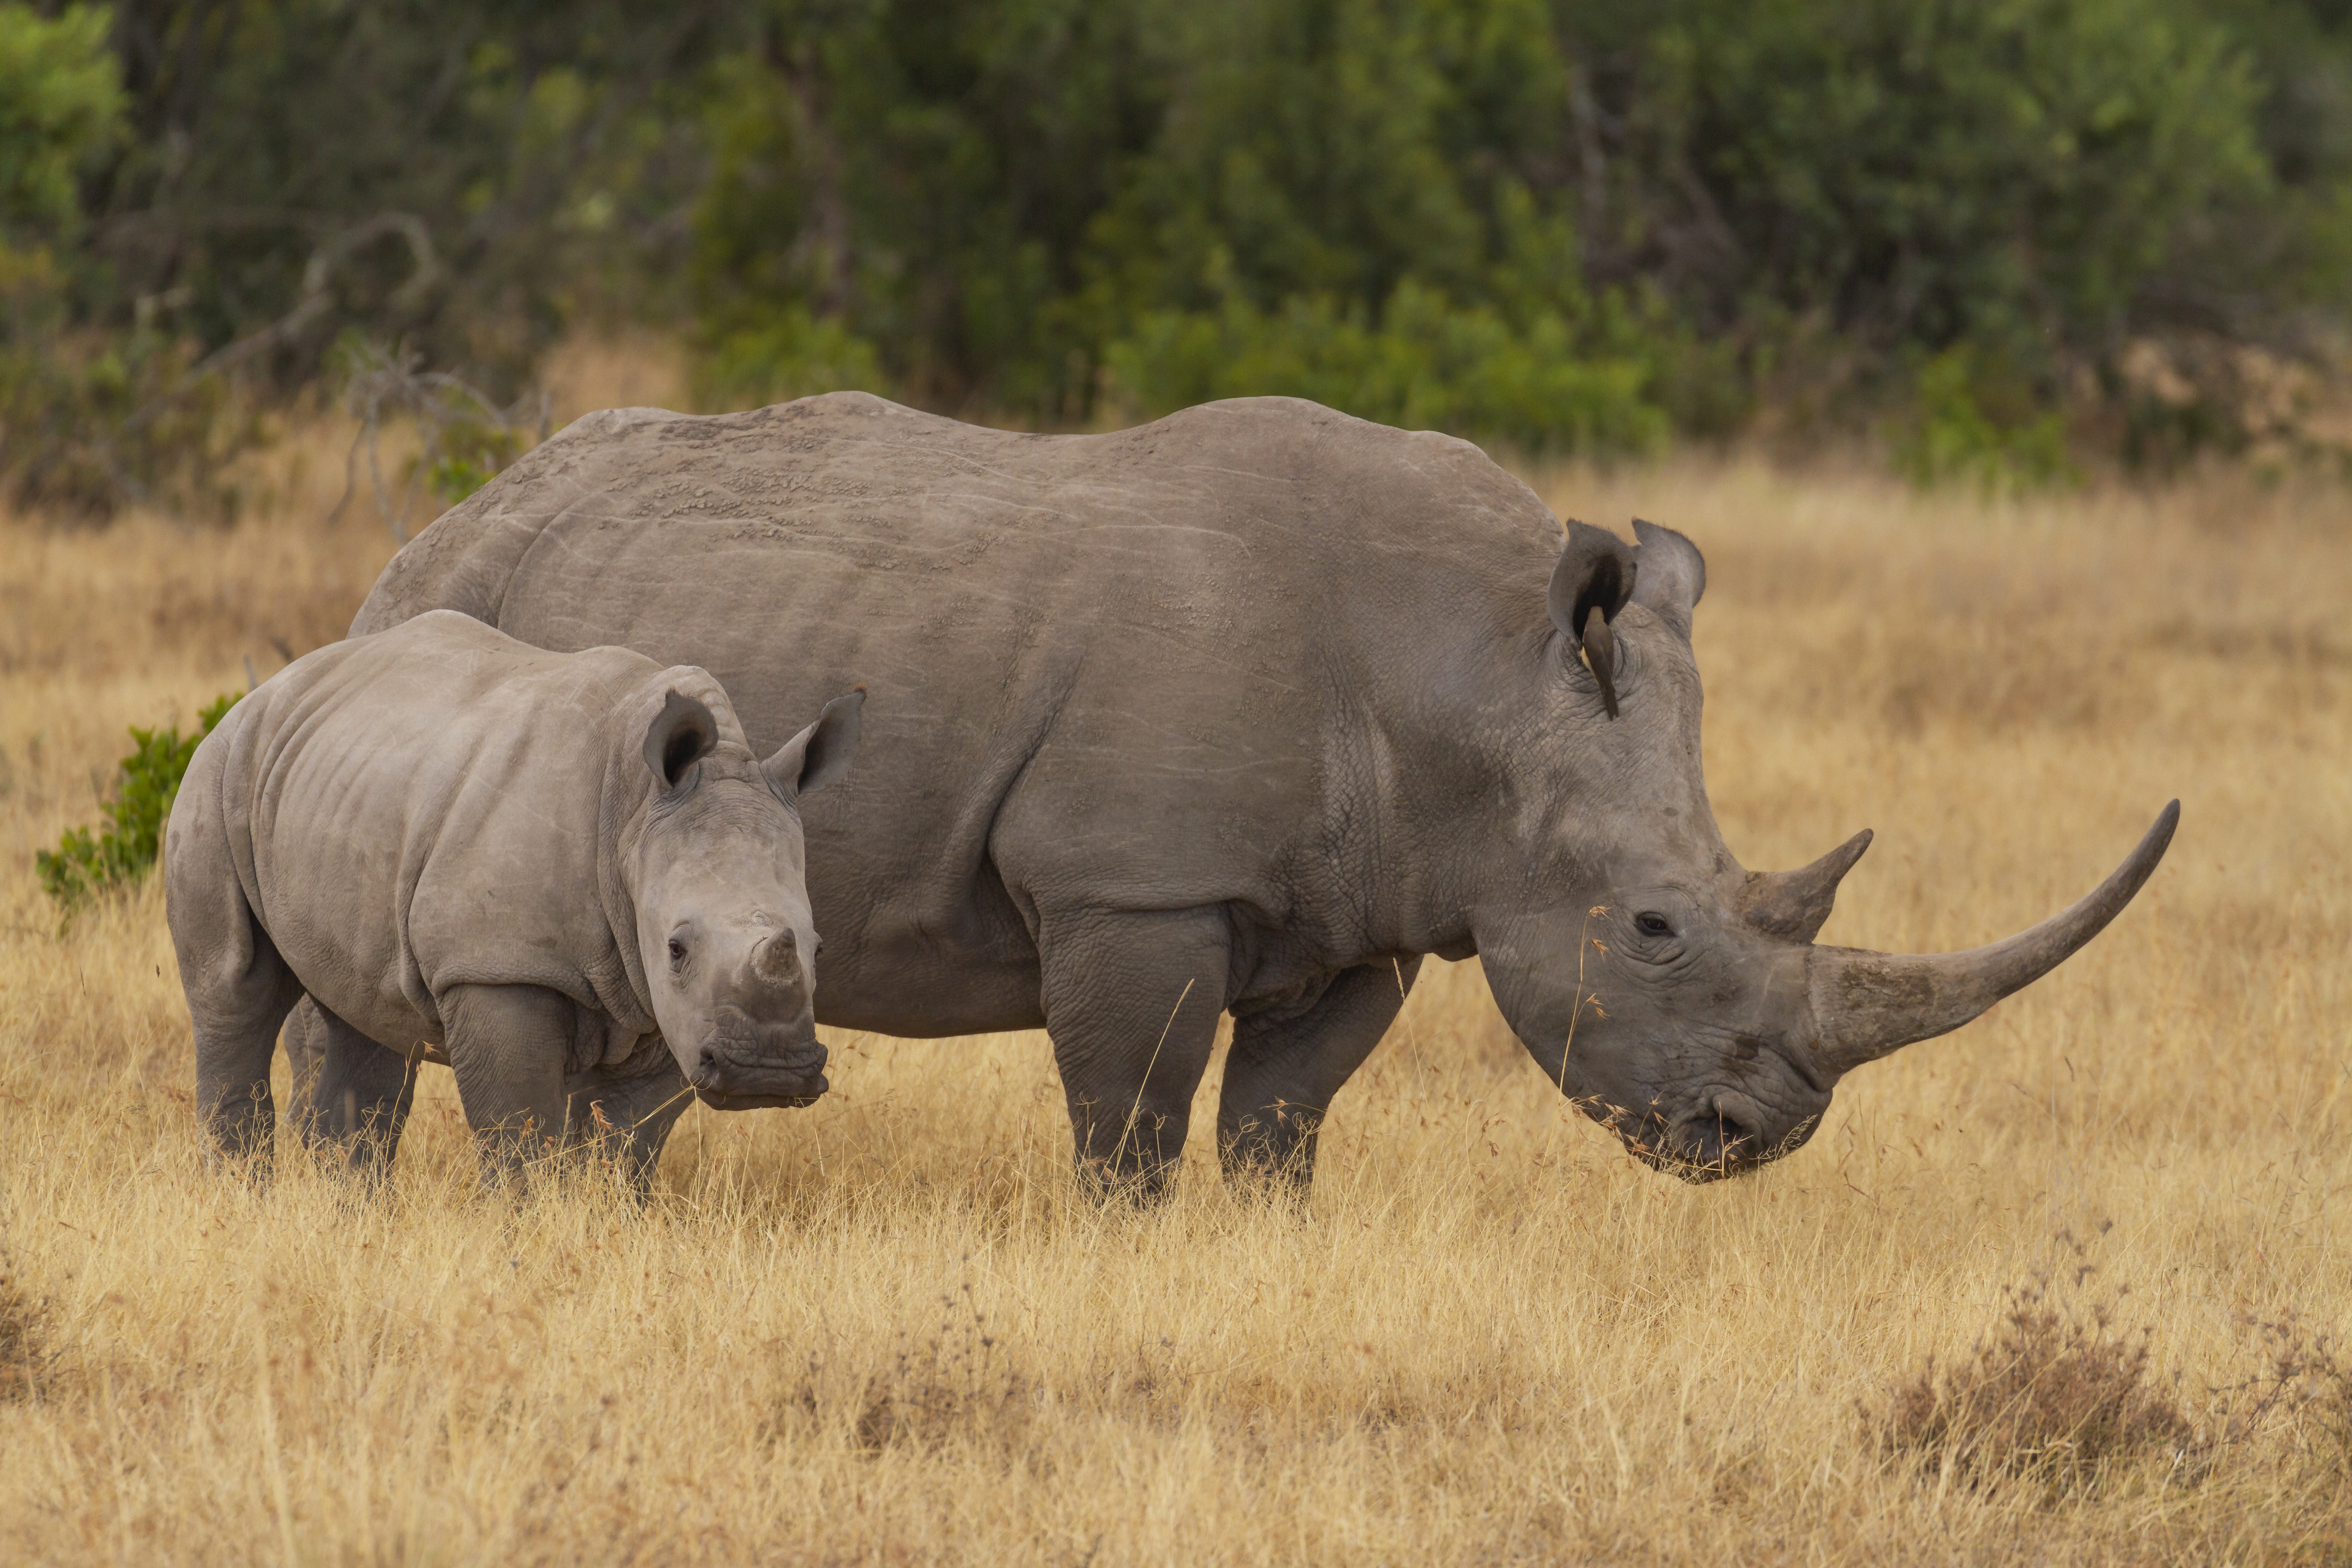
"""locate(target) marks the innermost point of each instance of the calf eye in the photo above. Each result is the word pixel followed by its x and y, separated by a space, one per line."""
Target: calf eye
pixel 1653 924
pixel 677 951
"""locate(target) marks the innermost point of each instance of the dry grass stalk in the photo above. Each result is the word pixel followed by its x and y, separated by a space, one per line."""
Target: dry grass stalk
pixel 2304 1386
pixel 2053 1396
pixel 25 1336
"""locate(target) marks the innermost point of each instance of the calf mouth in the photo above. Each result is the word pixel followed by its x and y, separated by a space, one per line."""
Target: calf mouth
pixel 727 1079
pixel 720 1099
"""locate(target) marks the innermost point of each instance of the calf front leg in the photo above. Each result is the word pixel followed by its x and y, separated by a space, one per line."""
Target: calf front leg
pixel 510 1047
pixel 1132 1003
pixel 629 1119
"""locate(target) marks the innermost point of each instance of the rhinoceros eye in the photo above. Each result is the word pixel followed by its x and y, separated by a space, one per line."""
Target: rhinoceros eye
pixel 1651 924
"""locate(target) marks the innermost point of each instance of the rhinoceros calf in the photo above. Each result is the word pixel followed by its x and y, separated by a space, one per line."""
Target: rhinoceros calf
pixel 1243 711
pixel 525 865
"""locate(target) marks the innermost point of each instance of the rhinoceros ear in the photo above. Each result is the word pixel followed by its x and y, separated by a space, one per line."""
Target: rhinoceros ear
pixel 818 755
pixel 1674 575
pixel 680 733
pixel 1591 584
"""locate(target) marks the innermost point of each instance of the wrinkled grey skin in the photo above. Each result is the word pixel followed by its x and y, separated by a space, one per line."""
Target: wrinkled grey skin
pixel 1243 711
pixel 566 876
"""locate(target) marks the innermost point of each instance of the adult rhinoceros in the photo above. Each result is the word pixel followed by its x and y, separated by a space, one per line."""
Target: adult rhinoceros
pixel 1244 711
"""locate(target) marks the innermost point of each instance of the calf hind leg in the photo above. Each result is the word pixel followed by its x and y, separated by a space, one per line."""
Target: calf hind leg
pixel 233 1050
pixel 239 991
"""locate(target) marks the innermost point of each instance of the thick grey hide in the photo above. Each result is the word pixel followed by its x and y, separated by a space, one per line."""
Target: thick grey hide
pixel 1244 711
pixel 541 869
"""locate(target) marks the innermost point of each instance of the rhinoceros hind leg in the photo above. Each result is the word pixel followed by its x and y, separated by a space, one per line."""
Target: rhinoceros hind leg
pixel 1132 1002
pixel 510 1045
pixel 1286 1065
pixel 360 1091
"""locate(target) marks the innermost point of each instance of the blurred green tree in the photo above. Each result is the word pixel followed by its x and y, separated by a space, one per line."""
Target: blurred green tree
pixel 1569 224
pixel 61 106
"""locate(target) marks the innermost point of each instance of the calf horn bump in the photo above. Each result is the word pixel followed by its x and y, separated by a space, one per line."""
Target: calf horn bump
pixel 779 962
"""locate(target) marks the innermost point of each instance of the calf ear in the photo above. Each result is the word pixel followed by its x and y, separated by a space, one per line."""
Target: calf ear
pixel 681 733
pixel 1674 575
pixel 1591 584
pixel 818 755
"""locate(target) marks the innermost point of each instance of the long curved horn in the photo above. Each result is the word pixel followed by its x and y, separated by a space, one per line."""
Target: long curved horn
pixel 1794 905
pixel 1869 1003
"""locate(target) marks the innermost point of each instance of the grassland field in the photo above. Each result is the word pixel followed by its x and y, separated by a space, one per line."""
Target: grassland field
pixel 890 1329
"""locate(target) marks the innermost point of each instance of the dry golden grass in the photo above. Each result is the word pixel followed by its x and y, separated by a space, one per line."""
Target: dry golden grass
pixel 888 1330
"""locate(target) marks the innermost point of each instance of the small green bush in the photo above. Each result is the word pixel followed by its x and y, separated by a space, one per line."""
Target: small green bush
pixel 145 783
pixel 1962 434
pixel 1425 363
pixel 795 355
pixel 473 453
pixel 61 107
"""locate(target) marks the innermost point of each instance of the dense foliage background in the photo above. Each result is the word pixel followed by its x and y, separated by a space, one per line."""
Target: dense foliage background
pixel 2004 232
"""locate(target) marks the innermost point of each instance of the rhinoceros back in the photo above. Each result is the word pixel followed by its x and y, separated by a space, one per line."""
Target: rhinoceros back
pixel 1139 644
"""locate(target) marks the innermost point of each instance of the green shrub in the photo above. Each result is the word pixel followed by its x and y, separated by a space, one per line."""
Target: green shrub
pixel 1962 434
pixel 61 104
pixel 794 355
pixel 473 453
pixel 1426 363
pixel 86 420
pixel 145 783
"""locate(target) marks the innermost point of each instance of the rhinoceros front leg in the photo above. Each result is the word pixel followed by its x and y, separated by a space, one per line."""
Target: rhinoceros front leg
pixel 350 1090
pixel 1287 1064
pixel 510 1045
pixel 1132 1002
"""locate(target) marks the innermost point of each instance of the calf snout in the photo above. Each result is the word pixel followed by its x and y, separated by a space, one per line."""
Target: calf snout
pixel 748 1061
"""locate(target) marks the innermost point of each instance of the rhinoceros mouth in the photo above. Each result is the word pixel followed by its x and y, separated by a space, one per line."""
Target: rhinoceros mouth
pixel 1725 1138
pixel 1694 1157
